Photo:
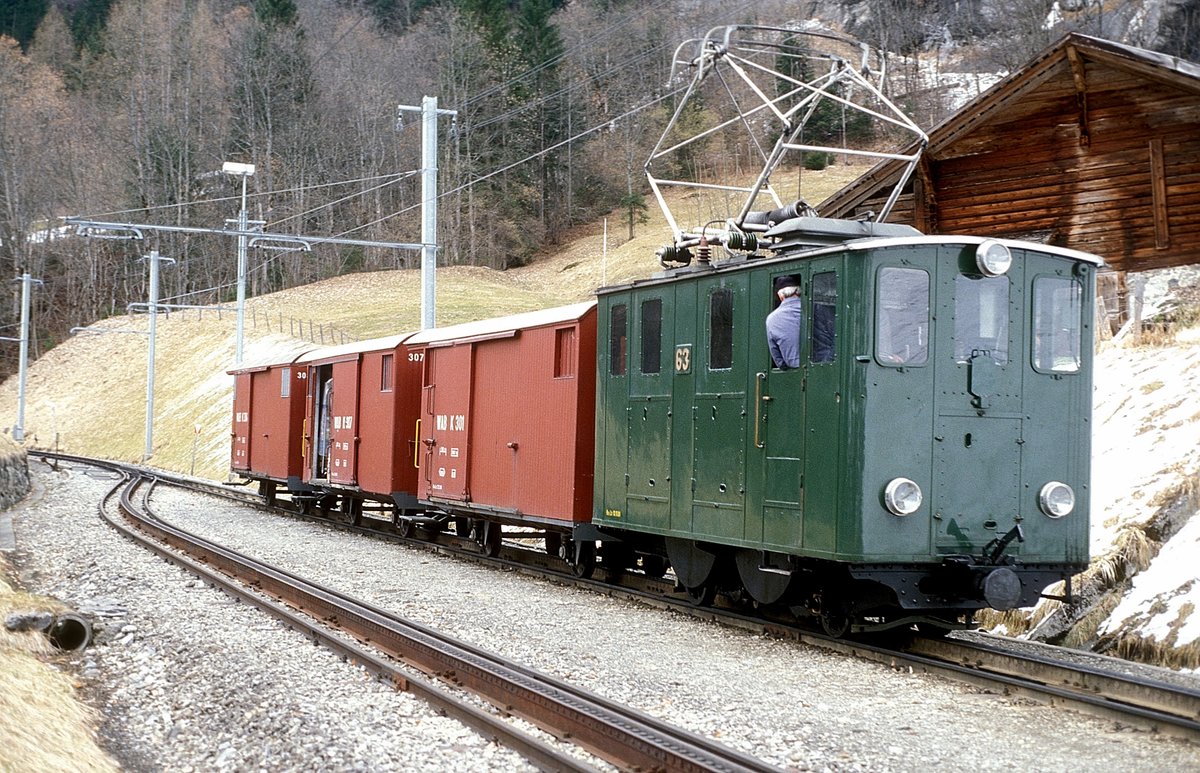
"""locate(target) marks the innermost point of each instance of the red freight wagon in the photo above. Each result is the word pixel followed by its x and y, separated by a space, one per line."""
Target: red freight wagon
pixel 360 420
pixel 506 408
pixel 268 412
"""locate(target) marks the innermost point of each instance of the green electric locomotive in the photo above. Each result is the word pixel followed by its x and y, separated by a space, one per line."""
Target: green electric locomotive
pixel 928 457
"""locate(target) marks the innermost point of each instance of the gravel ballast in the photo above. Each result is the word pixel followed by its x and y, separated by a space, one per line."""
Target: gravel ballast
pixel 188 679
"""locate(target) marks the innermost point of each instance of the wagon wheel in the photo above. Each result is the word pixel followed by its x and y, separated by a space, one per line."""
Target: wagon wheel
pixel 489 539
pixel 462 527
pixel 404 527
pixel 553 541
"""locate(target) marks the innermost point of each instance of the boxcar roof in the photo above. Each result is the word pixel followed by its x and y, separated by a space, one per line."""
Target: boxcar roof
pixel 500 326
pixel 358 347
pixel 254 367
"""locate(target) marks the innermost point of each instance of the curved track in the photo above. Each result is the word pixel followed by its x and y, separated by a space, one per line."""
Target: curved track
pixel 617 734
pixel 1103 686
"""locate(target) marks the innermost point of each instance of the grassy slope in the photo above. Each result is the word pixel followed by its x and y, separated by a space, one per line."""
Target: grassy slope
pixel 88 395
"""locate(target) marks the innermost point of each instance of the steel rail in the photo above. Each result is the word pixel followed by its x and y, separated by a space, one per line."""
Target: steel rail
pixel 1155 704
pixel 540 754
pixel 625 737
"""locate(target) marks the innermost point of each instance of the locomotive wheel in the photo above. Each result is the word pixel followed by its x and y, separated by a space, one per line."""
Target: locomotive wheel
pixel 693 565
pixel 703 595
pixel 763 587
pixel 835 622
pixel 654 566
pixel 585 559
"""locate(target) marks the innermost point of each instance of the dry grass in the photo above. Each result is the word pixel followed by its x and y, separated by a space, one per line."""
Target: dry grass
pixel 42 726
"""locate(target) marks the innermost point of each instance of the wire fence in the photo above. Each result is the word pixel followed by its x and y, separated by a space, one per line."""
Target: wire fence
pixel 306 329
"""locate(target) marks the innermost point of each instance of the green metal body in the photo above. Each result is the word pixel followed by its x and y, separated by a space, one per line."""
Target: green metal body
pixel 795 462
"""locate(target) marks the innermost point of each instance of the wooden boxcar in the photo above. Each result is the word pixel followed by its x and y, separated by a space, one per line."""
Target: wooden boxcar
pixel 920 458
pixel 506 417
pixel 268 413
pixel 360 421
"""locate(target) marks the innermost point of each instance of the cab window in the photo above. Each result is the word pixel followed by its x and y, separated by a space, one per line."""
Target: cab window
pixel 1057 320
pixel 981 317
pixel 618 337
pixel 824 317
pixel 902 317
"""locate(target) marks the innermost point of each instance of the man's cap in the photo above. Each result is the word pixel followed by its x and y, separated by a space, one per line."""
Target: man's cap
pixel 786 281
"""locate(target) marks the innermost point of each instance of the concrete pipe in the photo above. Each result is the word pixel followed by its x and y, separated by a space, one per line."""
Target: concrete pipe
pixel 70 632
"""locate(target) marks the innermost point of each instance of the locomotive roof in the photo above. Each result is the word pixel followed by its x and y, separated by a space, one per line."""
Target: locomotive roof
pixel 487 328
pixel 801 241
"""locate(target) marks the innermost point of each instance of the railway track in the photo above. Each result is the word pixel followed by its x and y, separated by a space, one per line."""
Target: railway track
pixel 377 639
pixel 1104 686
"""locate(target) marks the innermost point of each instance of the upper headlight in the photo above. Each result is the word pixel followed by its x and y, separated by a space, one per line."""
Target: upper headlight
pixel 902 496
pixel 992 258
pixel 1056 499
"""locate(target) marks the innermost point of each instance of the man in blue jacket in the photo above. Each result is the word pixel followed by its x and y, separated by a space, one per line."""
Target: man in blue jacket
pixel 785 325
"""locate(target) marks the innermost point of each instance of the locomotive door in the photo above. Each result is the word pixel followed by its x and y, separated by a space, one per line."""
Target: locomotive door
pixel 822 362
pixel 978 431
pixel 779 431
pixel 720 413
pixel 343 447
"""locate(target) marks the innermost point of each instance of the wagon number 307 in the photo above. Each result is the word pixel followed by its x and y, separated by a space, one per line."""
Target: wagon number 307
pixel 416 356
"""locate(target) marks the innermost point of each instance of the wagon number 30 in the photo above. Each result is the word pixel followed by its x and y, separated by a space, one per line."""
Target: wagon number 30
pixel 683 358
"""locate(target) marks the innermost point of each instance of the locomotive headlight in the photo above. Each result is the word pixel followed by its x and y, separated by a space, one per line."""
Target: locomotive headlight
pixel 902 496
pixel 992 258
pixel 1056 499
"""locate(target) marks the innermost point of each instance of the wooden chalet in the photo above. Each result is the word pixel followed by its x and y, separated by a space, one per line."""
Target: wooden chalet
pixel 1093 145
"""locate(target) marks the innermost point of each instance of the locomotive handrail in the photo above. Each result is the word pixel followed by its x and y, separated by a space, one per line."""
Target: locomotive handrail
pixel 760 378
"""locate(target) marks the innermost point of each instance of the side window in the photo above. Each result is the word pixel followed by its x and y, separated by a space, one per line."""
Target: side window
pixel 618 337
pixel 385 373
pixel 720 329
pixel 564 352
pixel 1057 320
pixel 824 317
pixel 652 335
pixel 981 317
pixel 902 317
pixel 285 382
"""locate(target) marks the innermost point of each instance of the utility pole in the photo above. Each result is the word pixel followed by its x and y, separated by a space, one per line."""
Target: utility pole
pixel 244 171
pixel 429 113
pixel 26 283
pixel 152 305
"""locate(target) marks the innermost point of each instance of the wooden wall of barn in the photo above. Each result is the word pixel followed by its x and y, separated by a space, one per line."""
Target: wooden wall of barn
pixel 1116 173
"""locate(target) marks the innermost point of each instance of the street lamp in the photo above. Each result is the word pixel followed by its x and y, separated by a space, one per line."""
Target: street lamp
pixel 244 171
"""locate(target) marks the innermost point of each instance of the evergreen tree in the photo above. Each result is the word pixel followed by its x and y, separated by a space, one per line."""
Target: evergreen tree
pixel 19 19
